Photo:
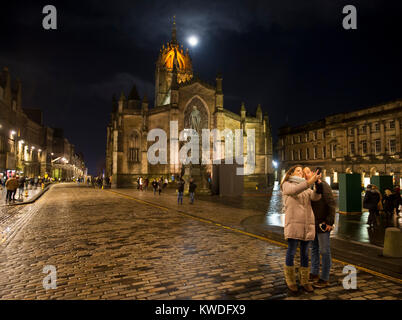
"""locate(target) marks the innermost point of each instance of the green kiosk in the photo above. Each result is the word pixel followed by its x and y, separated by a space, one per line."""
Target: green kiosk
pixel 382 182
pixel 350 193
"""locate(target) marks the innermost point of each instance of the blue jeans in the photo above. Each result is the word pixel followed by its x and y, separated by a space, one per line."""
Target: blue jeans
pixel 321 246
pixel 292 247
pixel 180 198
pixel 192 197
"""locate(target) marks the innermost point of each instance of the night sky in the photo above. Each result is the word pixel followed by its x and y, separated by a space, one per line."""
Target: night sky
pixel 293 57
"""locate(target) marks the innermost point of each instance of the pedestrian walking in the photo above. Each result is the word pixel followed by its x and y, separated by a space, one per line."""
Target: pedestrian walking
pixel 160 186
pixel 180 191
pixel 166 182
pixel 141 182
pixel 154 185
pixel 146 183
pixel 191 190
pixel 299 223
pixel 370 202
pixel 324 214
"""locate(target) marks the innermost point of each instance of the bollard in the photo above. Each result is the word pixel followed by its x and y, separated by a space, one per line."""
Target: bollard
pixel 26 193
pixel 393 243
pixel 43 186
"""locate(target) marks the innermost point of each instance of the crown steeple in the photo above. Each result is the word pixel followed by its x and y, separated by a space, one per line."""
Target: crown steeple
pixel 174 38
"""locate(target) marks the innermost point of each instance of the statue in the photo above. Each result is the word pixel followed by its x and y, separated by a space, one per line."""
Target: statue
pixel 195 119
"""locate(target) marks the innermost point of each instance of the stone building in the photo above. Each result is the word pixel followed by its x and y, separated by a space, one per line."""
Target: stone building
pixel 179 95
pixel 27 147
pixel 366 141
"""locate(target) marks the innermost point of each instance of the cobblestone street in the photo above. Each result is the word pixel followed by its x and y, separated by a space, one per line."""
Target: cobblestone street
pixel 106 245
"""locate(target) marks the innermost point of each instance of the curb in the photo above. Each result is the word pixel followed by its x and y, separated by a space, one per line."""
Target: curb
pixel 32 200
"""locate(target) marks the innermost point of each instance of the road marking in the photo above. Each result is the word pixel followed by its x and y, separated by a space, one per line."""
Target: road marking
pixel 252 235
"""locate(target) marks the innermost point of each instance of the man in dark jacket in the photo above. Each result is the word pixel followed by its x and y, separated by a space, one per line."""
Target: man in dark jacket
pixel 191 190
pixel 180 190
pixel 324 213
pixel 370 202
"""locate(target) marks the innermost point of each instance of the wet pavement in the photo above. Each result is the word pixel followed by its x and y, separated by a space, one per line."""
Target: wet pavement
pixel 268 212
pixel 126 244
pixel 21 196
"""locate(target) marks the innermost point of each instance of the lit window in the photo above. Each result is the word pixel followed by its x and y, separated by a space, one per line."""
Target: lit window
pixel 392 145
pixel 352 148
pixel 364 146
pixel 377 145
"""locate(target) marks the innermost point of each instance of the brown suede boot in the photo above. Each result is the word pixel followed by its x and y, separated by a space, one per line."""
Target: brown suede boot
pixel 290 278
pixel 303 278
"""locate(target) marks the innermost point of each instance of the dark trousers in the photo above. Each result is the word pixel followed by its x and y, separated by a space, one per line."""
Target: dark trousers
pixel 10 195
pixel 292 247
pixel 372 218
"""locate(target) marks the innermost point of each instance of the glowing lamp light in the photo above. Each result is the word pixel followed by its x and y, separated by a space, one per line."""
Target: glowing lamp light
pixel 193 41
pixel 33 148
pixel 275 164
pixel 22 141
pixel 13 132
pixel 40 150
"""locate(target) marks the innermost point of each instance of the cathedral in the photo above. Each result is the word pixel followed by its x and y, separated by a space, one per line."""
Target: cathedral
pixel 180 96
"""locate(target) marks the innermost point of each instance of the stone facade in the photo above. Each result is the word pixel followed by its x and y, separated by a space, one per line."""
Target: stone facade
pixel 179 96
pixel 366 141
pixel 27 147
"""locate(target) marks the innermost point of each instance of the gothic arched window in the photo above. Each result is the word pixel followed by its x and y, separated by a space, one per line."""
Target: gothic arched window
pixel 134 148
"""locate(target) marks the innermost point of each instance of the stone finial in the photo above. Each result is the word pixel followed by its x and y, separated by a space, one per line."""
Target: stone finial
pixel 243 107
pixel 219 83
pixel 122 97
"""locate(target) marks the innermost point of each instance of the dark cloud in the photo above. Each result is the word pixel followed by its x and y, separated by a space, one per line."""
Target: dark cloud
pixel 293 57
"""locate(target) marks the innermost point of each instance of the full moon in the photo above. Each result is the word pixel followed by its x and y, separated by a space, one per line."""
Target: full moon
pixel 193 41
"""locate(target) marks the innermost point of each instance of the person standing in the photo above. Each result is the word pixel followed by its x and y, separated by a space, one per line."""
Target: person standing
pixel 191 190
pixel 299 223
pixel 180 190
pixel 388 204
pixel 370 202
pixel 11 185
pixel 324 213
pixel 21 187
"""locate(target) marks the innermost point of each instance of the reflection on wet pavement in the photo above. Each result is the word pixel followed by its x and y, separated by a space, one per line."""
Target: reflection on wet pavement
pixel 350 227
pixel 269 212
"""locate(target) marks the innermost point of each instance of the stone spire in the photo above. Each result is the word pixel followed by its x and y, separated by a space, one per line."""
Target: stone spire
pixel 122 101
pixel 134 94
pixel 219 92
pixel 259 112
pixel 174 38
pixel 19 93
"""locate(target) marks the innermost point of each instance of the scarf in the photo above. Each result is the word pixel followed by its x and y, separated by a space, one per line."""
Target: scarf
pixel 296 179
